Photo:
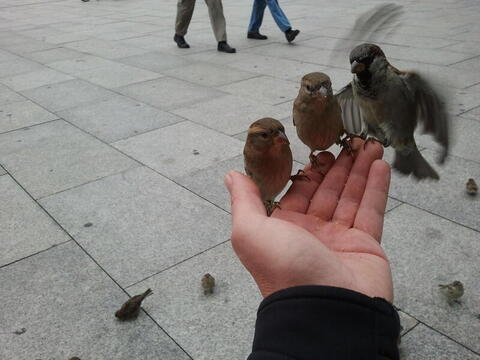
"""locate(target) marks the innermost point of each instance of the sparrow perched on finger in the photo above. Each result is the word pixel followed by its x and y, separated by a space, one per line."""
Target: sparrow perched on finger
pixel 268 159
pixel 390 103
pixel 208 284
pixel 472 187
pixel 131 308
pixel 317 115
pixel 452 291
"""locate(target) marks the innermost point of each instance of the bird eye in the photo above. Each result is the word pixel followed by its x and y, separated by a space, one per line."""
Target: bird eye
pixel 309 88
pixel 263 135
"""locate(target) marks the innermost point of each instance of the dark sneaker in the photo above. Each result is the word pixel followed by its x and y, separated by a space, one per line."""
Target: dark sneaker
pixel 224 47
pixel 291 34
pixel 256 35
pixel 181 43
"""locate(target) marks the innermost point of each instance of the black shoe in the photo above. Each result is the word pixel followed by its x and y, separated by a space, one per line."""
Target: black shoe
pixel 224 47
pixel 291 34
pixel 256 35
pixel 181 43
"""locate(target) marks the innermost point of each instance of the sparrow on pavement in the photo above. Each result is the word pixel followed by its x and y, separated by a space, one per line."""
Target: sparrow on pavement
pixel 131 308
pixel 317 115
pixel 387 104
pixel 453 291
pixel 268 159
pixel 208 284
pixel 472 187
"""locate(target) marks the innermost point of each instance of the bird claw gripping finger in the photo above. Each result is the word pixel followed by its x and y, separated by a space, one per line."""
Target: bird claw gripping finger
pixel 300 175
pixel 346 143
pixel 271 206
pixel 384 143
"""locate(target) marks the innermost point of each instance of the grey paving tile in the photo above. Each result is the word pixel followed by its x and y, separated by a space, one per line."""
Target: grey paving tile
pixel 407 322
pixel 66 37
pixel 117 118
pixel 6 56
pixel 426 344
pixel 18 66
pixel 53 55
pixel 464 135
pixel 424 251
pixel 167 93
pixel 116 75
pixel 22 113
pixel 28 46
pixel 209 75
pixel 473 114
pixel 26 229
pixel 2 171
pixel 34 79
pixel 447 197
pixel 392 204
pixel 156 61
pixel 215 57
pixel 154 42
pixel 79 64
pixel 279 68
pixel 264 89
pixel 63 293
pixel 66 94
pixel 230 114
pixel 470 64
pixel 106 49
pixel 228 314
pixel 133 215
pixel 55 156
pixel 170 150
pixel 467 47
pixel 8 96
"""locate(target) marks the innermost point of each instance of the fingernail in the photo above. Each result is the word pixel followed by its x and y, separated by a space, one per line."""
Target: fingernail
pixel 228 180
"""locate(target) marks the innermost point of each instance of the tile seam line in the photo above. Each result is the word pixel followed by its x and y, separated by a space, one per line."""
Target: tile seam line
pixel 458 62
pixel 432 213
pixel 97 264
pixel 176 264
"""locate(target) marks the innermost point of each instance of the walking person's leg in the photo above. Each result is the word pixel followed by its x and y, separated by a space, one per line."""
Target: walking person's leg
pixel 282 20
pixel 184 16
pixel 219 25
pixel 256 19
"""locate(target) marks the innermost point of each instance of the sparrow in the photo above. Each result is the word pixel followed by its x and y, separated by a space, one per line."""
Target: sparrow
pixel 268 159
pixel 387 104
pixel 131 308
pixel 453 291
pixel 472 187
pixel 208 284
pixel 317 115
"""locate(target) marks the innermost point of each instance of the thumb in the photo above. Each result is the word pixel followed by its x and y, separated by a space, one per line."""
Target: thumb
pixel 244 195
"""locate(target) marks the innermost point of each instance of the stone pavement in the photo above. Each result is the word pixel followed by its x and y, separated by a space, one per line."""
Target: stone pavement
pixel 113 145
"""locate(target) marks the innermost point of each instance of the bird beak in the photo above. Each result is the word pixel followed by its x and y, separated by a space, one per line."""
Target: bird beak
pixel 281 138
pixel 323 91
pixel 357 67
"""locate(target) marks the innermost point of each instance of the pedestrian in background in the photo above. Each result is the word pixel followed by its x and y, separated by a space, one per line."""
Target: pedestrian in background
pixel 217 19
pixel 278 15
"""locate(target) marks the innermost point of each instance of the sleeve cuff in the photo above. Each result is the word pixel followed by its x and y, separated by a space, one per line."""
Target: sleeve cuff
pixel 313 322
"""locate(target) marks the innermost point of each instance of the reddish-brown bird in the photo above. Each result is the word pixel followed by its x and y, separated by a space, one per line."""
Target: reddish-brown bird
pixel 268 159
pixel 131 308
pixel 317 115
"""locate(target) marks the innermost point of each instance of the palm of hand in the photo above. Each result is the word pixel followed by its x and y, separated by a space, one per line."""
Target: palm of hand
pixel 326 232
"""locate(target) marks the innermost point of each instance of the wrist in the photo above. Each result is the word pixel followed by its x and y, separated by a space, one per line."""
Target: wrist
pixel 336 323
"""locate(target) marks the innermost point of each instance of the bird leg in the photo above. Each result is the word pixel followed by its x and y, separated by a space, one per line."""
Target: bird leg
pixel 346 143
pixel 271 205
pixel 300 175
pixel 371 139
pixel 313 159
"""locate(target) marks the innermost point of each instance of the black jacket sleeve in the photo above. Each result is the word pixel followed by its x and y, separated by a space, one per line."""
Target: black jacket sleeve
pixel 325 323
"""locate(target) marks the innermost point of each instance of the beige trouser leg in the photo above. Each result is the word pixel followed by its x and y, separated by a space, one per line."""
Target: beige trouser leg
pixel 217 19
pixel 184 16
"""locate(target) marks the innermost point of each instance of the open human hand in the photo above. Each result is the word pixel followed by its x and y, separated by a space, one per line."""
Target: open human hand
pixel 327 231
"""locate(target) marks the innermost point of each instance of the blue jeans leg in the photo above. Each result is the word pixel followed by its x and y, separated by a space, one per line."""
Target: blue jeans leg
pixel 278 15
pixel 256 19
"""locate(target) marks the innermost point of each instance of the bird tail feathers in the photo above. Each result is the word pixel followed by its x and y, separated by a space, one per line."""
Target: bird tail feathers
pixel 414 163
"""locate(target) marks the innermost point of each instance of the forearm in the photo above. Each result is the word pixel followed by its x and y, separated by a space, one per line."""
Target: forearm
pixel 320 322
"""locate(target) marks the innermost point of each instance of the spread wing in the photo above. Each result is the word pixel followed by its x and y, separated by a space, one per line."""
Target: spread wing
pixel 351 114
pixel 431 111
